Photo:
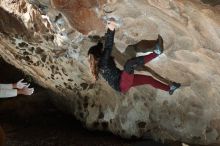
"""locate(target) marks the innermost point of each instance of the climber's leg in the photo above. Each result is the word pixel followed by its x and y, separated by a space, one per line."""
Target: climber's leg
pixel 144 79
pixel 159 46
pixel 145 46
pixel 127 75
pixel 173 87
pixel 133 63
pixel 131 80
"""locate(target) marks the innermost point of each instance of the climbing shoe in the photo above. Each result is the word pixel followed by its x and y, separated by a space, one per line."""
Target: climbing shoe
pixel 173 87
pixel 159 46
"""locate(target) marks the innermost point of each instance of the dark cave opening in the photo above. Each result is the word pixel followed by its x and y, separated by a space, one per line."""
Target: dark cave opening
pixel 34 120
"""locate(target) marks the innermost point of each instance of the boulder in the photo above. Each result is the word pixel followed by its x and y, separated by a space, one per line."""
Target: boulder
pixel 49 40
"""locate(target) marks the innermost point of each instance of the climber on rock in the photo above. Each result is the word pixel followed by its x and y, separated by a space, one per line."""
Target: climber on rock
pixel 102 62
pixel 12 90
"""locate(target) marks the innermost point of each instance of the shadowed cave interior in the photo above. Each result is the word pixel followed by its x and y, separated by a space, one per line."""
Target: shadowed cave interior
pixel 35 121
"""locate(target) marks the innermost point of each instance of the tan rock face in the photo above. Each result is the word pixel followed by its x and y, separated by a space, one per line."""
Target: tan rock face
pixel 51 44
pixel 10 24
pixel 82 15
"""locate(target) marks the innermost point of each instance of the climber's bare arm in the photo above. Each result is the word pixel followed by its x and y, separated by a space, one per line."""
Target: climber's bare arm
pixel 109 40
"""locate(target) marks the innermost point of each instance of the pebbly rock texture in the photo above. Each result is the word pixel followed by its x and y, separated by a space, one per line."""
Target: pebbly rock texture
pixel 49 40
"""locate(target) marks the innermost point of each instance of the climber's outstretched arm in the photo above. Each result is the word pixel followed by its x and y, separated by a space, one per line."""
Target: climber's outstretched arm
pixel 109 40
